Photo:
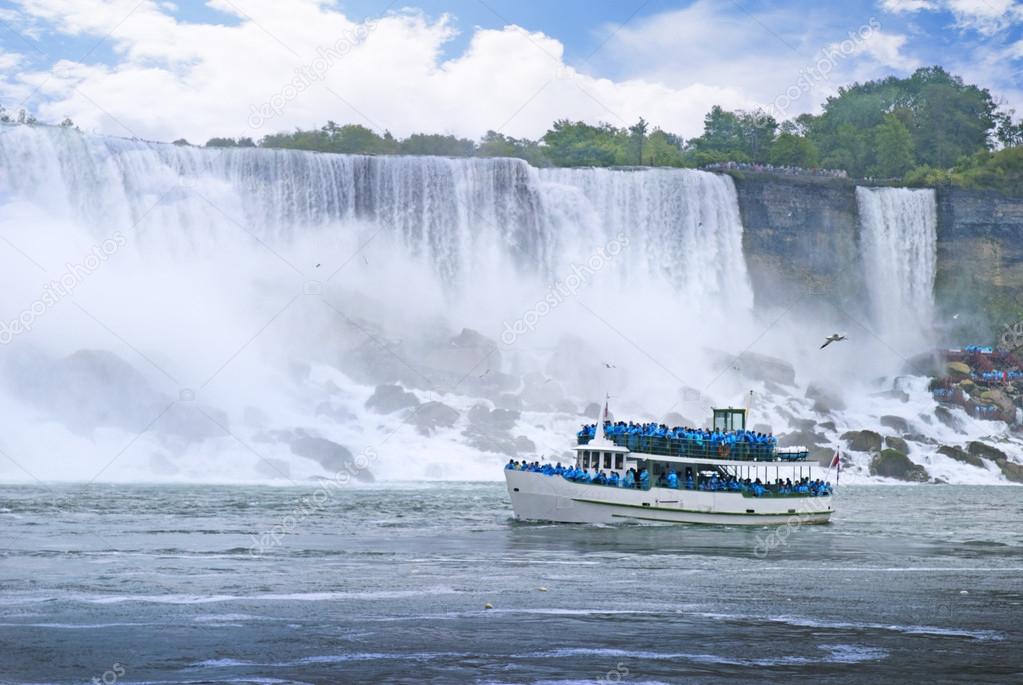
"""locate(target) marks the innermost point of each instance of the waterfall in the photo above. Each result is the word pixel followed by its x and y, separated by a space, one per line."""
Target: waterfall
pixel 197 251
pixel 900 255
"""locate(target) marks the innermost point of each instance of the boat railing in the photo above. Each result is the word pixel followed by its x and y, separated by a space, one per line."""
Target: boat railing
pixel 675 447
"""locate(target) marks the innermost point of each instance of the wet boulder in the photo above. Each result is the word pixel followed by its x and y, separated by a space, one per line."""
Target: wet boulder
pixel 957 370
pixel 950 419
pixel 331 456
pixel 482 418
pixel 824 400
pixel 896 423
pixel 387 399
pixel 338 414
pixel 961 455
pixel 892 464
pixel 863 440
pixel 897 444
pixel 430 416
pixel 761 367
pixel 985 451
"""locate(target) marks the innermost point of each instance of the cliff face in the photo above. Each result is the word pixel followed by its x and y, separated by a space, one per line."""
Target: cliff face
pixel 980 258
pixel 802 239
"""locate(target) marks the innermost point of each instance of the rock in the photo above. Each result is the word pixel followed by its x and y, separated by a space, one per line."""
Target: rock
pixel 1011 470
pixel 957 370
pixel 897 444
pixel 761 367
pixel 822 455
pixel 761 428
pixel 430 416
pixel 506 400
pixel 1000 399
pixel 675 419
pixel 827 425
pixel 959 454
pixel 567 407
pixel 896 423
pixel 892 464
pixel 592 411
pixel 339 414
pixel 331 456
pixel 863 441
pixel 921 438
pixel 801 439
pixel 387 399
pixel 524 445
pixel 824 400
pixel 945 415
pixel 985 451
pixel 483 419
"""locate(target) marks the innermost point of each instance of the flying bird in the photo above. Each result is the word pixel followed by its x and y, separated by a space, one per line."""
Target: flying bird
pixel 955 316
pixel 834 337
pixel 317 266
pixel 609 365
pixel 484 373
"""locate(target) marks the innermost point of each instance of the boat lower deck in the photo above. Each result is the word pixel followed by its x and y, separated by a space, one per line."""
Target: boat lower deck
pixel 541 497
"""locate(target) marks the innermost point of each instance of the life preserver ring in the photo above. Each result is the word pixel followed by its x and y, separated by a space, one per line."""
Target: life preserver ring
pixel 724 450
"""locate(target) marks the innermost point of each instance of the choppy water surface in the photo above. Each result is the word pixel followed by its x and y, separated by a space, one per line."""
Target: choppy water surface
pixel 181 584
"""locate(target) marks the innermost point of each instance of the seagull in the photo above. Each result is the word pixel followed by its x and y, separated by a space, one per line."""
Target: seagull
pixel 484 373
pixel 609 365
pixel 317 266
pixel 955 316
pixel 834 337
pixel 365 260
pixel 547 380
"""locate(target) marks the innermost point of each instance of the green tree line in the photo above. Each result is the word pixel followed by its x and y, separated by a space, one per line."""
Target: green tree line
pixel 926 129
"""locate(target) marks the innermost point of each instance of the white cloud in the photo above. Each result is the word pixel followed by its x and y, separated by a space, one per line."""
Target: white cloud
pixel 907 6
pixel 175 79
pixel 887 50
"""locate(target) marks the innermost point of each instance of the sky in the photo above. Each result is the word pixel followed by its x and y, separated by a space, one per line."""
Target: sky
pixel 164 70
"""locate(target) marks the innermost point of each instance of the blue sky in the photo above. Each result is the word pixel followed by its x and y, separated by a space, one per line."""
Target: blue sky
pixel 164 69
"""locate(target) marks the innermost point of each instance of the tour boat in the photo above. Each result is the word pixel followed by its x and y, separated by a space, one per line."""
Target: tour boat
pixel 720 481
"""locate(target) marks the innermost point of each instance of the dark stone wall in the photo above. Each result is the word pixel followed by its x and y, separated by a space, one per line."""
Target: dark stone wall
pixel 802 241
pixel 980 260
pixel 801 238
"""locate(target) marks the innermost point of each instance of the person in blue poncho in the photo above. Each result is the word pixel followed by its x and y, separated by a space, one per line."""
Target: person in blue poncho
pixel 673 480
pixel 644 479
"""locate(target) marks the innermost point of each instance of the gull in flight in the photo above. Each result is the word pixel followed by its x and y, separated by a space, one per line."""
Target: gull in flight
pixel 609 365
pixel 834 337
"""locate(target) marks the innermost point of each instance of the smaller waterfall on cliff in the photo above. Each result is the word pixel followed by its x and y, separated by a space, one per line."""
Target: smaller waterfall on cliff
pixel 899 235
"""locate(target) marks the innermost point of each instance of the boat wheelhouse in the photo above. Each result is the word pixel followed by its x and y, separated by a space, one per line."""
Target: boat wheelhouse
pixel 642 472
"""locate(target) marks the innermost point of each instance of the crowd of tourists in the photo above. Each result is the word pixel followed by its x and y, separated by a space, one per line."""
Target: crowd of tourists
pixel 672 480
pixel 657 438
pixel 775 169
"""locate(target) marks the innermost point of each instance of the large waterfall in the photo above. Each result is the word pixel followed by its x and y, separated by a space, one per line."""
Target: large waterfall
pixel 193 303
pixel 899 238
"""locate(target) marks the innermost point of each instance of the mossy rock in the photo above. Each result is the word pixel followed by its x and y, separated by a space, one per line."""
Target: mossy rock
pixel 897 444
pixel 863 441
pixel 892 464
pixel 981 449
pixel 958 369
pixel 959 454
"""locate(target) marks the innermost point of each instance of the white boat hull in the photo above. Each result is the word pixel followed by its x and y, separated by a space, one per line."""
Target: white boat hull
pixel 539 497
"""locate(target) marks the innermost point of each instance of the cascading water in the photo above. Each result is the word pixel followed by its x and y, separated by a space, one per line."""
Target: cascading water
pixel 209 249
pixel 899 237
pixel 172 312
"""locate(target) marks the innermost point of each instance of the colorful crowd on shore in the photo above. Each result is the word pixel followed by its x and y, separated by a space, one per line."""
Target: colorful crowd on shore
pixel 670 479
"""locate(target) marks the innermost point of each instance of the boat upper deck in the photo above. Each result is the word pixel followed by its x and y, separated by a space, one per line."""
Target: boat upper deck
pixel 695 444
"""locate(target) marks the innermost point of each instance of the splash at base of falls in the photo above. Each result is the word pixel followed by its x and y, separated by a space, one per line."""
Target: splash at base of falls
pixel 174 313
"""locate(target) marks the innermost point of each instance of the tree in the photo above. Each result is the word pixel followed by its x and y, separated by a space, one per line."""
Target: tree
pixel 893 147
pixel 580 144
pixel 637 136
pixel 436 144
pixel 664 149
pixel 181 141
pixel 790 149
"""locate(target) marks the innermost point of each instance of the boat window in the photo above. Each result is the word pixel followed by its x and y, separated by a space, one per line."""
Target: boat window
pixel 586 460
pixel 607 460
pixel 618 460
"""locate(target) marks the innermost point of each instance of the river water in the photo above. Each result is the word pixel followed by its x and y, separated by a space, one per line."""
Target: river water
pixel 212 584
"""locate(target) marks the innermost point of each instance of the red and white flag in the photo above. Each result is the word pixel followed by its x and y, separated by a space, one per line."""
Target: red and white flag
pixel 836 464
